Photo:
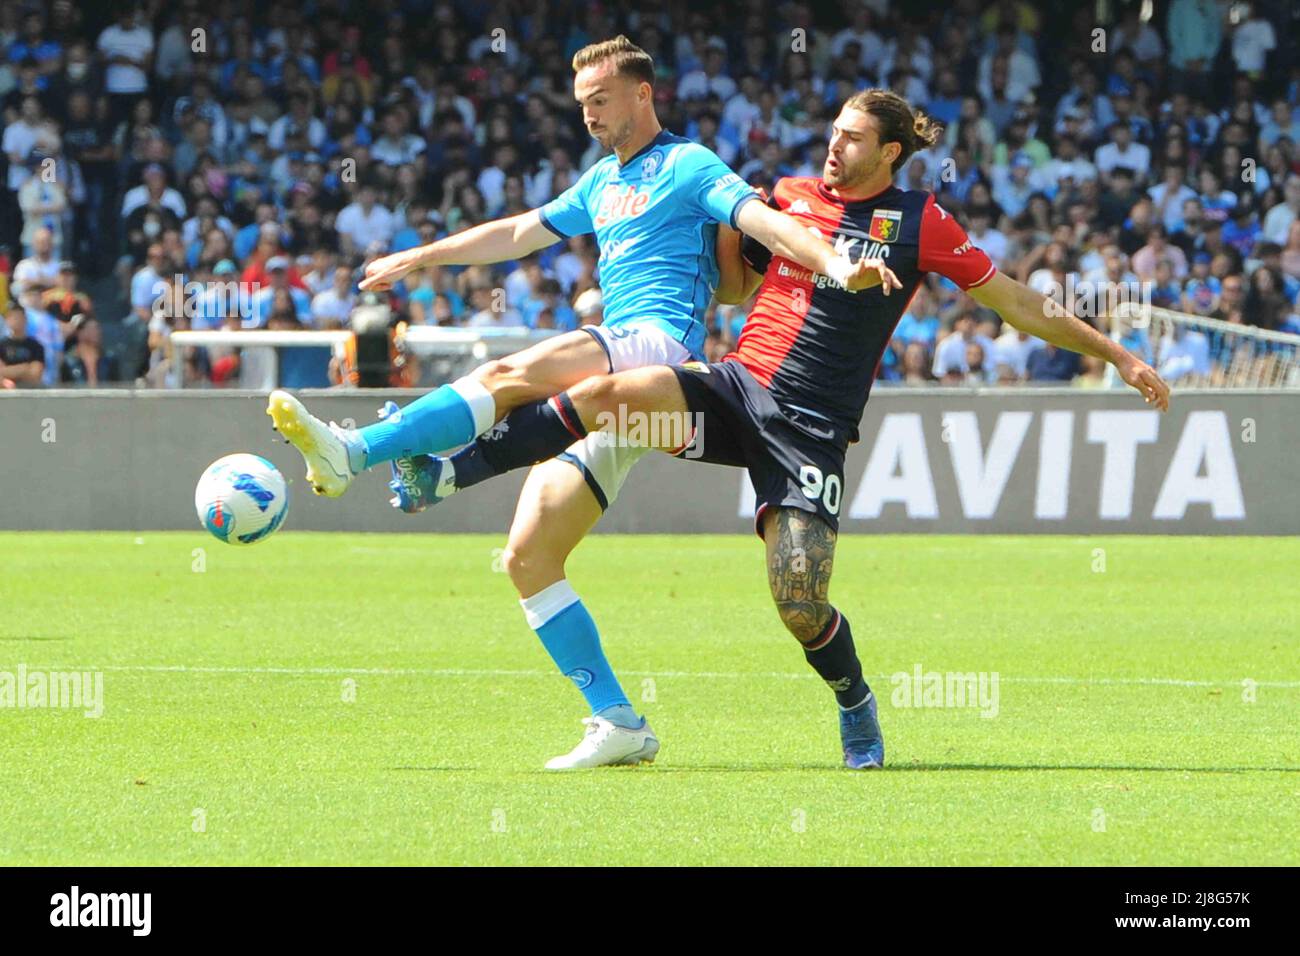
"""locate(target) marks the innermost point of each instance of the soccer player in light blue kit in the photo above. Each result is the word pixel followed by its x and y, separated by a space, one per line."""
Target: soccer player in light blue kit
pixel 655 206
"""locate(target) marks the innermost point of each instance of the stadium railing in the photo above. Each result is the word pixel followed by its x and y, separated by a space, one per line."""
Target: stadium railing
pixel 451 351
pixel 1188 350
pixel 1195 351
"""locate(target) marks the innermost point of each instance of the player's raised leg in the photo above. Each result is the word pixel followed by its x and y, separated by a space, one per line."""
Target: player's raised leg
pixel 800 556
pixel 556 510
pixel 541 430
pixel 447 417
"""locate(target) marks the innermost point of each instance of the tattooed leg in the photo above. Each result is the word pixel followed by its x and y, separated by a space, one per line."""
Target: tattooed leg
pixel 800 554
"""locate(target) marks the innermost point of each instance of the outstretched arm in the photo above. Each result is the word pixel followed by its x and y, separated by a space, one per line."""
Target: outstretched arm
pixel 497 241
pixel 785 236
pixel 1038 315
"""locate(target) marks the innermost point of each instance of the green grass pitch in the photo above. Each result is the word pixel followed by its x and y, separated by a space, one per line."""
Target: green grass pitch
pixel 1147 711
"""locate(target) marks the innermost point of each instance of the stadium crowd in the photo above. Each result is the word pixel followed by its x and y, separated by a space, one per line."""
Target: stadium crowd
pixel 235 164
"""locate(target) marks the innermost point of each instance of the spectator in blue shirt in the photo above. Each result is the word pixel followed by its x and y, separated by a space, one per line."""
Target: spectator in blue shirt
pixel 549 297
pixel 419 230
pixel 1052 364
pixel 264 301
pixel 1201 293
pixel 918 326
pixel 945 106
pixel 304 366
pixel 1242 231
pixel 35 45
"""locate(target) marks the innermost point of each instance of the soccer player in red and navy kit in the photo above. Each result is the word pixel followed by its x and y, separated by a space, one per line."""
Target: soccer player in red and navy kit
pixel 787 403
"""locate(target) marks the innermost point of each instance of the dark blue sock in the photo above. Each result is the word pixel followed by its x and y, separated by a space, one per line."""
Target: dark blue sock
pixel 833 656
pixel 529 434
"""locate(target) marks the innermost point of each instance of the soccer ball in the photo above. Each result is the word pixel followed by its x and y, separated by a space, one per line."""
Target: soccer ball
pixel 241 498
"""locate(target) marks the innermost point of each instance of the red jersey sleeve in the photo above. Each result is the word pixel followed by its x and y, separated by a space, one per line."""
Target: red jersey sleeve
pixel 946 249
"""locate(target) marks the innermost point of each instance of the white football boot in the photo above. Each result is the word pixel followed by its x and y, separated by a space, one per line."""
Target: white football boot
pixel 606 744
pixel 332 453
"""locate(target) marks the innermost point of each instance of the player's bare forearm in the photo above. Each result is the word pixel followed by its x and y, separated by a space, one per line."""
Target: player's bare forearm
pixel 497 241
pixel 736 281
pixel 484 244
pixel 1035 313
pixel 731 268
pixel 1038 315
pixel 491 242
pixel 786 237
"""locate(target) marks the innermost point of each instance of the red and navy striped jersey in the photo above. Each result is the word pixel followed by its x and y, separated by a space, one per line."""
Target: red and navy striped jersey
pixel 816 346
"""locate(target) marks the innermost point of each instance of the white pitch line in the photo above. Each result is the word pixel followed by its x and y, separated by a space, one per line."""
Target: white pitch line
pixel 711 675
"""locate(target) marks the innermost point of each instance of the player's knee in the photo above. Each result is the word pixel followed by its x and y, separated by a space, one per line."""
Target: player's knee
pixel 596 394
pixel 497 374
pixel 518 565
pixel 531 569
pixel 596 399
pixel 804 620
pixel 516 562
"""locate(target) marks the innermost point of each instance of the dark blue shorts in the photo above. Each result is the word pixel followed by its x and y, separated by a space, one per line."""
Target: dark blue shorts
pixel 794 460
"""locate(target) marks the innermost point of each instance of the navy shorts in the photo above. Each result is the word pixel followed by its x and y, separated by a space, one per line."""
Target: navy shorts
pixel 794 460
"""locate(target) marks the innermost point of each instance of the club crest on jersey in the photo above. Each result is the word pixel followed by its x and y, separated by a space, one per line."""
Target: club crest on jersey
pixel 885 224
pixel 650 166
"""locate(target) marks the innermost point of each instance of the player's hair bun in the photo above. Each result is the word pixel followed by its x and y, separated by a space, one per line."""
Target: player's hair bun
pixel 926 131
pixel 898 122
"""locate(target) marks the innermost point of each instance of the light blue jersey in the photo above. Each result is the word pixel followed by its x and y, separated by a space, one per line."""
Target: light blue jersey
pixel 655 219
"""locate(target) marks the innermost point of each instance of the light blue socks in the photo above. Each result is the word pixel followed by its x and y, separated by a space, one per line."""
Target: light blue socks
pixel 569 635
pixel 448 417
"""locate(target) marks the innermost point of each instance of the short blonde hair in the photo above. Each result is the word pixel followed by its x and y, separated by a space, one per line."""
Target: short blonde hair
pixel 628 58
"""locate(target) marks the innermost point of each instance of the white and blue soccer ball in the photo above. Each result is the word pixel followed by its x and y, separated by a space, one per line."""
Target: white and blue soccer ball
pixel 241 498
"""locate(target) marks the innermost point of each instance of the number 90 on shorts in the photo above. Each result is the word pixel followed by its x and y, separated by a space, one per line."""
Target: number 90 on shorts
pixel 828 489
